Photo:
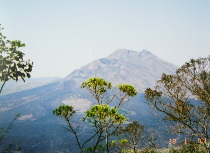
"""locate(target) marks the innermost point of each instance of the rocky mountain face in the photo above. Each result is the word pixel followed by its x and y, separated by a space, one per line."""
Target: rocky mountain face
pixel 37 130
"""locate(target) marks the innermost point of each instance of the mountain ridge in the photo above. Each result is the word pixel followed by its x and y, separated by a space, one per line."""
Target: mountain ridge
pixel 142 69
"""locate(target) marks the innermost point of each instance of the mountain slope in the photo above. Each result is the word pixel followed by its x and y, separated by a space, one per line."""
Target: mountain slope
pixel 125 66
pixel 38 130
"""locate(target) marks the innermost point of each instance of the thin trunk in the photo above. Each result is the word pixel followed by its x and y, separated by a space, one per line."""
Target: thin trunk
pixel 75 133
pixel 107 140
pixel 2 86
pixel 9 127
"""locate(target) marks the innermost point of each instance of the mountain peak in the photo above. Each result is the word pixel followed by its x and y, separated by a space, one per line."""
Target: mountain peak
pixel 140 69
pixel 125 53
pixel 145 52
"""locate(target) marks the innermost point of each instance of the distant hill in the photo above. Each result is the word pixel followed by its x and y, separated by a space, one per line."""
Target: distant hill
pixel 37 130
pixel 12 86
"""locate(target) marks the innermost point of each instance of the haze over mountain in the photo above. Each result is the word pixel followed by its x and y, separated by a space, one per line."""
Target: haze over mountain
pixel 37 130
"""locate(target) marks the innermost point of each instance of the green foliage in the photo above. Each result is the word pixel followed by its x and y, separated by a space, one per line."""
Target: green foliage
pixel 97 84
pixel 128 89
pixel 124 141
pixel 173 97
pixel 152 94
pixel 105 113
pixel 64 111
pixel 132 133
pixel 146 150
pixel 120 145
pixel 99 148
pixel 104 119
pixel 12 64
pixel 105 93
pixel 97 87
pixel 133 129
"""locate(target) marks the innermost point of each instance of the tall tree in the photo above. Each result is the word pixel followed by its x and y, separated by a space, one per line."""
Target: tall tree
pixel 183 99
pixel 104 119
pixel 12 66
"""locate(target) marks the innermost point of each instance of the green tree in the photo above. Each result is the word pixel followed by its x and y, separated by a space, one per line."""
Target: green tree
pixel 136 138
pixel 183 99
pixel 104 93
pixel 104 119
pixel 132 133
pixel 12 66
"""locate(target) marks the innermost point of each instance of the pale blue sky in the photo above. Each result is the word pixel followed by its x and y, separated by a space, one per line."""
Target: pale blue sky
pixel 63 35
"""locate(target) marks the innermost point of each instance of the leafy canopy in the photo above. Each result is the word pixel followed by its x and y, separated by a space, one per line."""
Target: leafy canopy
pixel 12 64
pixel 64 111
pixel 128 89
pixel 104 92
pixel 105 113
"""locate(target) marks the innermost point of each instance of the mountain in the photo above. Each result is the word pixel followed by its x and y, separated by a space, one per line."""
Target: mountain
pixel 37 130
pixel 141 69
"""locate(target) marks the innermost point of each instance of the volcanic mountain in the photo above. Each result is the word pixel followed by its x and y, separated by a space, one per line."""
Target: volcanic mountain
pixel 141 69
pixel 37 130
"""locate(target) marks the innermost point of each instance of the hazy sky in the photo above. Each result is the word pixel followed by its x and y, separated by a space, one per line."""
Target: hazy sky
pixel 63 35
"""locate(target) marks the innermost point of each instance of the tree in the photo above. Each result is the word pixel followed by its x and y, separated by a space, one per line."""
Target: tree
pixel 132 133
pixel 103 118
pixel 103 93
pixel 106 120
pixel 12 66
pixel 183 99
